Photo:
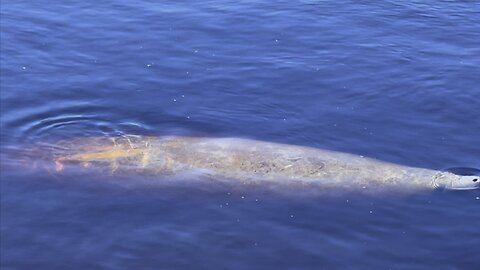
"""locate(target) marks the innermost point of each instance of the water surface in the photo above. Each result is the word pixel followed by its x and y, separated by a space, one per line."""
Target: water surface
pixel 398 82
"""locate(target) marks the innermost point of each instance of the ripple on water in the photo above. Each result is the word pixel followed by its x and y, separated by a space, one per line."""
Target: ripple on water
pixel 60 120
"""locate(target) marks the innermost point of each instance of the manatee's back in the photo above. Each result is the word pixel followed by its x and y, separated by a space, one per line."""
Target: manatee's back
pixel 232 158
pixel 247 159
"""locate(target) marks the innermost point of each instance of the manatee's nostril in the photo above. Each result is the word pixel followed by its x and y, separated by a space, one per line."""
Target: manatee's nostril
pixel 475 180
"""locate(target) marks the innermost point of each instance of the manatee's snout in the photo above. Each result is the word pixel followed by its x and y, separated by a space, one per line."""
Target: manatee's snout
pixel 465 182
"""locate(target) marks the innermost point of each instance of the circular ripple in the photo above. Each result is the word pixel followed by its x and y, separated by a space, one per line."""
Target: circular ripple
pixel 50 122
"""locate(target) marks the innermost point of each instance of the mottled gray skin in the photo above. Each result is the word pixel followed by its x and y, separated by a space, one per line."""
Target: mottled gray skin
pixel 250 160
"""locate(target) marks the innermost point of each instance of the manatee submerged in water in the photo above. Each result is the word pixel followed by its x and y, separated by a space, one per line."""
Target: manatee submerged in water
pixel 249 160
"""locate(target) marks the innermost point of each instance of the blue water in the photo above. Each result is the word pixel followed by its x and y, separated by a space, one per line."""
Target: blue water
pixel 393 80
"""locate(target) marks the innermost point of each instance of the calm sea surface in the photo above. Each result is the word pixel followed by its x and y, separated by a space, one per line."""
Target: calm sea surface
pixel 398 81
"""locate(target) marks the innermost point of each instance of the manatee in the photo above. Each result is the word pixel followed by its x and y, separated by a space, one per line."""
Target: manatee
pixel 238 159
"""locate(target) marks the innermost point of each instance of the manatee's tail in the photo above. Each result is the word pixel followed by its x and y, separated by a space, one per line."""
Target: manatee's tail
pixel 26 156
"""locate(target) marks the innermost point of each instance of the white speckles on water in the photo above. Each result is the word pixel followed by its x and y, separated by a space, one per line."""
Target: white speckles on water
pixel 24 68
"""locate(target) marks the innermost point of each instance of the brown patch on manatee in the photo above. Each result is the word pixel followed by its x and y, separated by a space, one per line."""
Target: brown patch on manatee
pixel 119 150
